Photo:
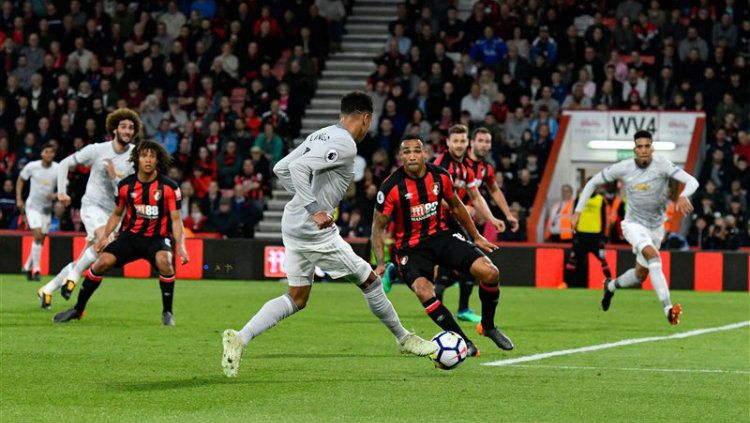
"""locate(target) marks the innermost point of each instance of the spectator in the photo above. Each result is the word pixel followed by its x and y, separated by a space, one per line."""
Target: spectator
pixel 270 143
pixel 229 163
pixel 166 137
pixel 489 50
pixel 476 103
pixel 223 220
pixel 195 220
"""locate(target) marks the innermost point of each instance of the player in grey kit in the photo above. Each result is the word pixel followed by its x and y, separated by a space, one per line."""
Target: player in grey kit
pixel 645 179
pixel 319 172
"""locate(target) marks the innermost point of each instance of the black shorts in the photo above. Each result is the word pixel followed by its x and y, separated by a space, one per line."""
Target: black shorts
pixel 447 249
pixel 130 247
pixel 590 243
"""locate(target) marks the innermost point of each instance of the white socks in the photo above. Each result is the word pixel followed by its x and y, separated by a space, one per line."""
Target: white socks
pixel 27 265
pixel 660 283
pixel 382 307
pixel 84 261
pixel 58 280
pixel 36 254
pixel 626 280
pixel 271 313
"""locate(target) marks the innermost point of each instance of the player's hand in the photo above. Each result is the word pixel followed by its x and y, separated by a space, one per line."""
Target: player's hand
pixel 513 223
pixel 64 199
pixel 380 270
pixel 574 220
pixel 499 225
pixel 184 257
pixel 110 168
pixel 322 219
pixel 484 245
pixel 101 244
pixel 52 196
pixel 684 206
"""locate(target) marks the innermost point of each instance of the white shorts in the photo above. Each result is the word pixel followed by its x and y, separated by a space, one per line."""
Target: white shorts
pixel 640 237
pixel 93 218
pixel 335 258
pixel 37 219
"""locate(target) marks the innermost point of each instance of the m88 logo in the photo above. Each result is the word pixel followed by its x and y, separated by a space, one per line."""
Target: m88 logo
pixel 148 212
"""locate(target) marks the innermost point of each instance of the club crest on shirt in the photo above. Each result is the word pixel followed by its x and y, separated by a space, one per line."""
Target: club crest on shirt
pixel 157 195
pixel 436 188
pixel 404 260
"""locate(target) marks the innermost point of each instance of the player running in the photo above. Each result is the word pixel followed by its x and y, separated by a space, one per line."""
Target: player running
pixel 151 203
pixel 109 162
pixel 467 189
pixel 319 172
pixel 645 179
pixel 413 197
pixel 38 206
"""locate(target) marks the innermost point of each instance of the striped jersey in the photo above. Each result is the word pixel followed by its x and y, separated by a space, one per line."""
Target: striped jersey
pixel 415 204
pixel 483 170
pixel 148 205
pixel 463 176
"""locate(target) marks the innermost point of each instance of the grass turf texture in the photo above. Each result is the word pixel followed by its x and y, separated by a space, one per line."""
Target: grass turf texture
pixel 334 362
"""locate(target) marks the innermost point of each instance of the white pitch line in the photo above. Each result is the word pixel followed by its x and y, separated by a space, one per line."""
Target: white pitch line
pixel 624 342
pixel 631 369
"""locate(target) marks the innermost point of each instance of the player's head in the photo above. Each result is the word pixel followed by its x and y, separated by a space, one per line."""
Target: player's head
pixel 356 113
pixel 481 142
pixel 458 141
pixel 644 148
pixel 149 156
pixel 124 125
pixel 48 153
pixel 412 153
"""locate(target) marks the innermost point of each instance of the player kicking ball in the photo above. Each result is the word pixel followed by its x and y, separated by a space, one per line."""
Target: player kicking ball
pixel 38 205
pixel 413 196
pixel 151 203
pixel 646 180
pixel 319 172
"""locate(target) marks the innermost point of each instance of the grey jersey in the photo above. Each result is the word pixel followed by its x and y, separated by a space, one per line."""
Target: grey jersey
pixel 318 172
pixel 100 188
pixel 645 189
pixel 42 185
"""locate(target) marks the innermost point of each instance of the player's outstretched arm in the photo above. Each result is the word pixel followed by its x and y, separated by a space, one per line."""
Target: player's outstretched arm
pixel 68 164
pixel 584 197
pixel 462 215
pixel 502 202
pixel 179 236
pixel 480 204
pixel 379 222
pixel 112 222
pixel 691 185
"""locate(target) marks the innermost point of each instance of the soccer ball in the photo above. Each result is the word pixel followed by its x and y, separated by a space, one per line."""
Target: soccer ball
pixel 452 350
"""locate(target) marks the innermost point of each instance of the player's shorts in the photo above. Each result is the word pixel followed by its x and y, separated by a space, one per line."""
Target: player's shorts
pixel 38 220
pixel 451 250
pixel 130 247
pixel 93 218
pixel 640 237
pixel 590 243
pixel 335 257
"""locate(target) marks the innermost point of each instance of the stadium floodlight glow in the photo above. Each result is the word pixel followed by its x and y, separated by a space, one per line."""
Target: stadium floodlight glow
pixel 627 145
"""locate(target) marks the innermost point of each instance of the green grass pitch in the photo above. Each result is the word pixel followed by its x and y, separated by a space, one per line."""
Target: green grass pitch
pixel 334 362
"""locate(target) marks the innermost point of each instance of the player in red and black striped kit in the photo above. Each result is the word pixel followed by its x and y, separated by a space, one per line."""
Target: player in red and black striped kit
pixel 413 196
pixel 151 204
pixel 466 184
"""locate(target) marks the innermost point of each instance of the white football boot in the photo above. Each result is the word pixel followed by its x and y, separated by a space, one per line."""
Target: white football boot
pixel 413 344
pixel 233 349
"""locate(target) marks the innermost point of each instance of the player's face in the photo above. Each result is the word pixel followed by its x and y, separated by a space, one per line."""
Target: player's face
pixel 147 161
pixel 48 154
pixel 125 131
pixel 457 145
pixel 412 155
pixel 481 145
pixel 644 151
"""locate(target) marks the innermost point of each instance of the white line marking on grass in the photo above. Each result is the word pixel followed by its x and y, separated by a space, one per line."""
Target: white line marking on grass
pixel 631 369
pixel 624 342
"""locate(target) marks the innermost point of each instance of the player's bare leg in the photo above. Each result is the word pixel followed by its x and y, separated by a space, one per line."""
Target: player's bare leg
pixel 381 306
pixel 87 257
pixel 439 314
pixel 489 294
pixel 166 285
pixel 92 282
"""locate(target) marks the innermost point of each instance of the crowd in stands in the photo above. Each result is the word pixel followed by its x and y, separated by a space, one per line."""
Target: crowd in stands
pixel 223 85
pixel 213 86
